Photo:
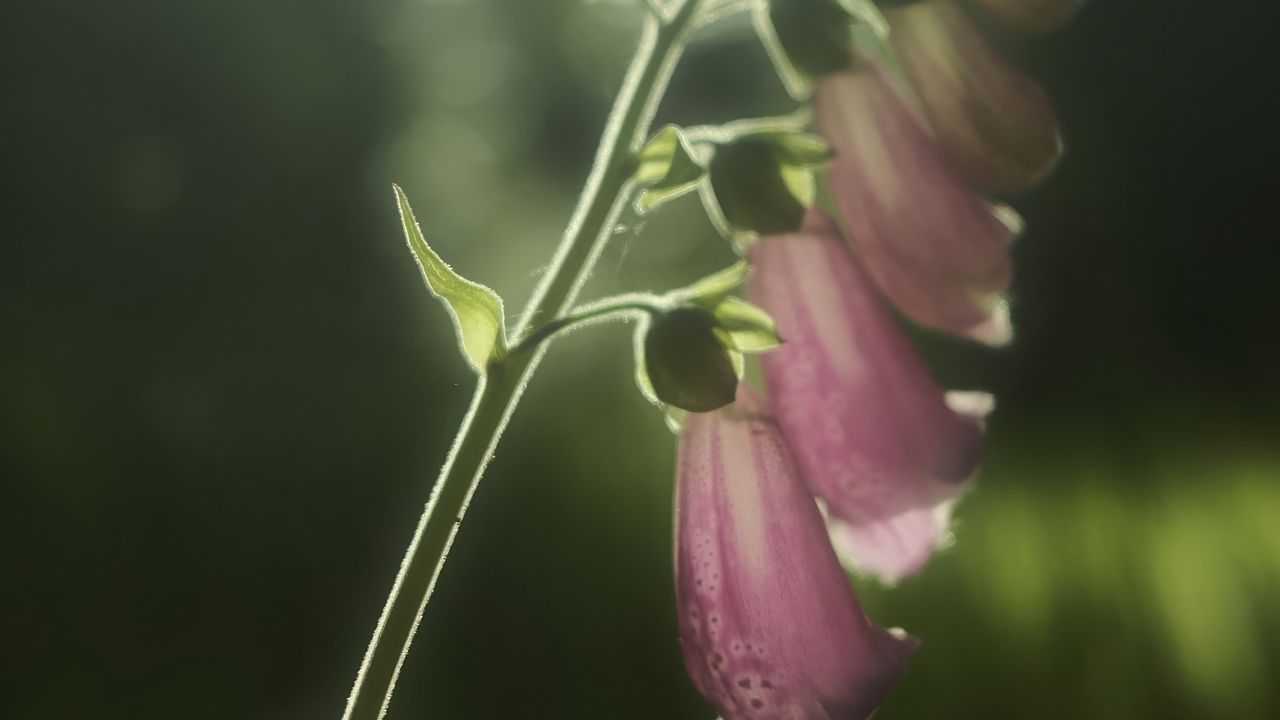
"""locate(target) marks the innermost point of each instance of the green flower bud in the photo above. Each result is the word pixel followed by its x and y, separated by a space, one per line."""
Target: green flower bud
pixel 687 364
pixel 814 34
pixel 752 187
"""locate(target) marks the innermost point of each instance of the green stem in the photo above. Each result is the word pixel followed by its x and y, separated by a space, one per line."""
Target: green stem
pixel 606 193
pixel 655 7
pixel 618 306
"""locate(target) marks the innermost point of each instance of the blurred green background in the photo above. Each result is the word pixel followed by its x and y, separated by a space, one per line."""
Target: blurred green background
pixel 224 391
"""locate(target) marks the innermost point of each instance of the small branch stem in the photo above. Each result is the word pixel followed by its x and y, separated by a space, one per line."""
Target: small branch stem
pixel 720 10
pixel 606 309
pixel 606 193
pixel 796 121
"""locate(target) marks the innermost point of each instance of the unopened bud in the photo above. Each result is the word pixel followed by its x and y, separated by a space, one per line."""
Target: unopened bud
pixel 687 363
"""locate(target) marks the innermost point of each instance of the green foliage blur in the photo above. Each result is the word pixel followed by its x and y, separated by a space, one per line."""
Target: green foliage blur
pixel 224 390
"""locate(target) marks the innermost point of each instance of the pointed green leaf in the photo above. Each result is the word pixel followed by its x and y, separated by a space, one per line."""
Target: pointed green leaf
pixel 666 167
pixel 475 309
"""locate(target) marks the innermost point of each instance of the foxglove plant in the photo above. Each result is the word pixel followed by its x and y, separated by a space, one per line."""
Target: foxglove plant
pixel 857 451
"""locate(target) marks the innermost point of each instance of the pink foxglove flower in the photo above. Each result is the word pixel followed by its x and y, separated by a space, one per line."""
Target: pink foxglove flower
pixel 769 623
pixel 995 124
pixel 875 437
pixel 1031 15
pixel 939 251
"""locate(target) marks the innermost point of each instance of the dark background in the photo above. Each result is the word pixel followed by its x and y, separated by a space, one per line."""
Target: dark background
pixel 224 391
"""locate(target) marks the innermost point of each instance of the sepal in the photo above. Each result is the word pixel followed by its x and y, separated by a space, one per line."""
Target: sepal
pixel 741 325
pixel 715 286
pixel 744 326
pixel 666 168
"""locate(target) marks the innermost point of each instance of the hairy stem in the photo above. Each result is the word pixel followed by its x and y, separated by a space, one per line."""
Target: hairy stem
pixel 605 195
pixel 617 307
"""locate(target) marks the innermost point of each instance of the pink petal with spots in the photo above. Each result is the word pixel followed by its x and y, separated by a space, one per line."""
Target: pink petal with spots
pixel 995 123
pixel 770 627
pixel 937 250
pixel 877 440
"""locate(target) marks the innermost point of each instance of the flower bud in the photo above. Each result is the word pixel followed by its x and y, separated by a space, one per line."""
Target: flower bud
pixel 688 365
pixel 755 186
pixel 814 34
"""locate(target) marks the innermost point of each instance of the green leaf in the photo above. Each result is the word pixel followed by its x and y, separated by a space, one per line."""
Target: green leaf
pixel 475 309
pixel 666 167
pixel 745 327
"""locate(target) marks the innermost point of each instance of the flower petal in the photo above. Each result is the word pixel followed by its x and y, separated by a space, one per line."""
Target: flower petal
pixel 1032 16
pixel 769 623
pixel 875 437
pixel 937 250
pixel 994 122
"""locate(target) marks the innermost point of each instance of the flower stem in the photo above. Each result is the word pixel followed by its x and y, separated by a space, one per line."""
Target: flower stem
pixel 611 308
pixel 606 193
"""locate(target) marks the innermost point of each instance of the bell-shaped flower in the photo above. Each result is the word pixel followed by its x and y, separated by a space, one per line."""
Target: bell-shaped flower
pixel 996 124
pixel 876 439
pixel 1033 16
pixel 937 249
pixel 769 623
